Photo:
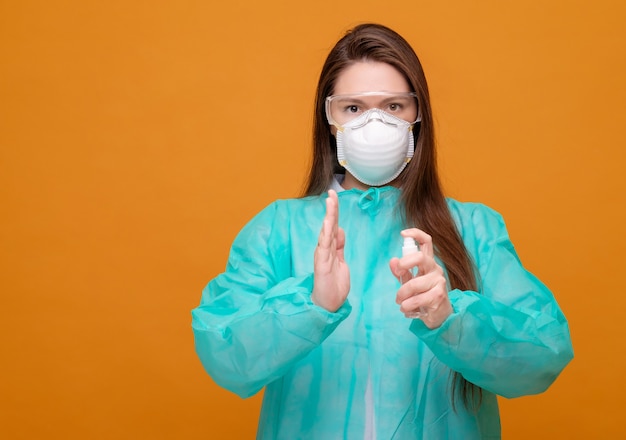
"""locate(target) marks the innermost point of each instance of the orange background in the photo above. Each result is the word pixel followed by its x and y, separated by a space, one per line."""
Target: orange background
pixel 137 138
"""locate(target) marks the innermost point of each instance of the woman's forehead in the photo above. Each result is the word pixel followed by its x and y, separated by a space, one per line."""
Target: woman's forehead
pixel 370 76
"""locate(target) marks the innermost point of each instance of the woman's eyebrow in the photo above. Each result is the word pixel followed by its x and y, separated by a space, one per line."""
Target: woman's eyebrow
pixel 351 99
pixel 370 101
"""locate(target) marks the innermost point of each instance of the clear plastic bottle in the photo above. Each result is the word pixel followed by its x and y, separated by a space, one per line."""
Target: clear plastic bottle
pixel 410 247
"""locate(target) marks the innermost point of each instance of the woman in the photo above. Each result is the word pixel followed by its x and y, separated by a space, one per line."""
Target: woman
pixel 349 340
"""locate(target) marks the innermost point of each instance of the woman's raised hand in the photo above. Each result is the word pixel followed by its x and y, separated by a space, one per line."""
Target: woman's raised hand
pixel 427 291
pixel 331 276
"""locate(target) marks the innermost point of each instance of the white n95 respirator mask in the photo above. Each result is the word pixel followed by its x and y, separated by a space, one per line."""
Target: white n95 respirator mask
pixel 375 147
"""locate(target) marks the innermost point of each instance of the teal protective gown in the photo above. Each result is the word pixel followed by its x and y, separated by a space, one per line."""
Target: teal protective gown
pixel 367 371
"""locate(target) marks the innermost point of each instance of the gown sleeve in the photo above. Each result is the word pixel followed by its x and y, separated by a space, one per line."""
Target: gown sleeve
pixel 511 338
pixel 256 320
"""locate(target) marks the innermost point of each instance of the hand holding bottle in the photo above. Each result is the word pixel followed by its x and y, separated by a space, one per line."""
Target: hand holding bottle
pixel 331 276
pixel 423 294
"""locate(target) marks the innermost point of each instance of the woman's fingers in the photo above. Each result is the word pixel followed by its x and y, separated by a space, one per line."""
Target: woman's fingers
pixel 329 231
pixel 432 305
pixel 332 211
pixel 419 260
pixel 418 286
pixel 340 242
pixel 424 295
pixel 414 304
pixel 331 281
pixel 401 272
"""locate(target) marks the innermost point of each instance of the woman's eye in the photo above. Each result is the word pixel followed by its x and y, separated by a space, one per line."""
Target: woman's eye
pixel 352 109
pixel 395 107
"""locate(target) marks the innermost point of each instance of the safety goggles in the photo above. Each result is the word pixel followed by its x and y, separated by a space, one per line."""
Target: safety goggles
pixel 341 109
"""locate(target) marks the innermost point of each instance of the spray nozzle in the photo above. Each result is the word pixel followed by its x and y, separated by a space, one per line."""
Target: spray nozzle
pixel 409 246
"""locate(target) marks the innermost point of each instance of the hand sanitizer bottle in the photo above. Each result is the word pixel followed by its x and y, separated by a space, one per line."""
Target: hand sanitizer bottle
pixel 409 247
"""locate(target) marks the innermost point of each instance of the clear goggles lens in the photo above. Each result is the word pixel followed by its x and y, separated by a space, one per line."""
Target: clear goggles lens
pixel 341 109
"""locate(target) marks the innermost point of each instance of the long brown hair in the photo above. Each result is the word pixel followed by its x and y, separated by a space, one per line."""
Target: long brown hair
pixel 422 195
